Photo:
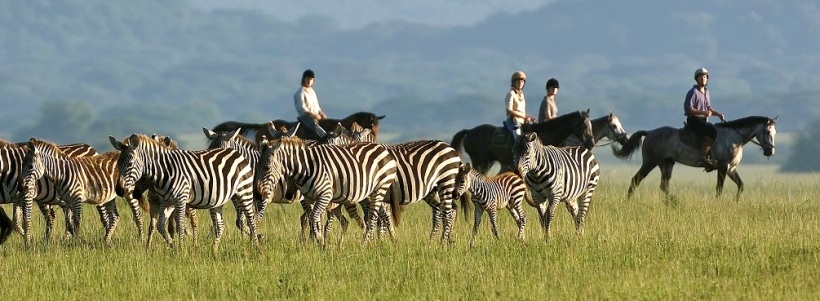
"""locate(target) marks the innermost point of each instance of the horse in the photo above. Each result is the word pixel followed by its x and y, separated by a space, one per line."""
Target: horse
pixel 607 126
pixel 664 146
pixel 366 120
pixel 487 143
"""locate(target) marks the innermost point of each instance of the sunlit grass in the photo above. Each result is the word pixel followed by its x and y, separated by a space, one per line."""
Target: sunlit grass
pixel 690 245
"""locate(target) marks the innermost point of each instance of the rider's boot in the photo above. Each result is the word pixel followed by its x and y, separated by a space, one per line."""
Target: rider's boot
pixel 709 163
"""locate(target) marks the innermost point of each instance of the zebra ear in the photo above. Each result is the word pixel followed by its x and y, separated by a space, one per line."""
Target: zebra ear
pixel 529 137
pixel 117 145
pixel 209 133
pixel 30 145
pixel 168 142
pixel 134 140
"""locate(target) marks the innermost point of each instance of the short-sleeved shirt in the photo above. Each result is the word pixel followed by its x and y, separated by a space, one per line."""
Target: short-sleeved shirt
pixel 548 109
pixel 697 100
pixel 306 100
pixel 516 103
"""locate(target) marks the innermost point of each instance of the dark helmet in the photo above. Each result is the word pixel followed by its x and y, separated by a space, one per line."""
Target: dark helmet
pixel 552 83
pixel 308 74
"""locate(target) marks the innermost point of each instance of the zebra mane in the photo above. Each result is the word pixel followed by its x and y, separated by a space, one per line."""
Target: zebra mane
pixel 142 139
pixel 244 141
pixel 6 143
pixel 46 146
pixel 293 141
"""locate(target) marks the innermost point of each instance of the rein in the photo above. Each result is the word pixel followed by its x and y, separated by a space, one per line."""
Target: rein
pixel 750 138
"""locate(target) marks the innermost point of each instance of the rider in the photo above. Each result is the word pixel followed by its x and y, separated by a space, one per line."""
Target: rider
pixel 548 108
pixel 516 104
pixel 307 104
pixel 697 107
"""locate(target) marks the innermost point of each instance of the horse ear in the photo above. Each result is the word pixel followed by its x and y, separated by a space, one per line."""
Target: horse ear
pixel 610 115
pixel 263 140
pixel 236 133
pixel 380 117
pixel 209 133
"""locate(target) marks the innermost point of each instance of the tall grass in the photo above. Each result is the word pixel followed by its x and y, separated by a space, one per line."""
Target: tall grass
pixel 687 246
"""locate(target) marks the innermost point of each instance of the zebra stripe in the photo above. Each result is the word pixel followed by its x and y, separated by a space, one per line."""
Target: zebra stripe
pixel 329 173
pixel 204 179
pixel 12 156
pixel 76 180
pixel 426 170
pixel 491 193
pixel 553 174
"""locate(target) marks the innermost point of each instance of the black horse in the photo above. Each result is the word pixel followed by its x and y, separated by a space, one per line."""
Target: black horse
pixel 255 131
pixel 487 143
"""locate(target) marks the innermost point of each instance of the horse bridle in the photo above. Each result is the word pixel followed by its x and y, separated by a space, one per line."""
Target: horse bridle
pixel 750 139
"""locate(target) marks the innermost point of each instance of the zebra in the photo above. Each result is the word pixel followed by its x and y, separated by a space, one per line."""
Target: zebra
pixel 204 179
pixel 76 180
pixel 568 174
pixel 490 193
pixel 12 156
pixel 154 203
pixel 346 174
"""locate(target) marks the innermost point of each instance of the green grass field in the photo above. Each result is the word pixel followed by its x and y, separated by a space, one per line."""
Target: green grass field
pixel 688 246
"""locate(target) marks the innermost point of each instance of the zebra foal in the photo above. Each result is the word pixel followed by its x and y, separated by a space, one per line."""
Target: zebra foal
pixel 491 193
pixel 553 174
pixel 204 179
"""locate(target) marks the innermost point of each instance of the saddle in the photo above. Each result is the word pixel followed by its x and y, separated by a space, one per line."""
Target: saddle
pixel 690 138
pixel 501 137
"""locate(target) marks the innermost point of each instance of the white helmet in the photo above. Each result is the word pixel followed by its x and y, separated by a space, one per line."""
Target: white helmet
pixel 701 71
pixel 518 75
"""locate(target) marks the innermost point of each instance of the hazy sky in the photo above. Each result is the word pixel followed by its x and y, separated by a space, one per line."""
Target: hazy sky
pixel 358 13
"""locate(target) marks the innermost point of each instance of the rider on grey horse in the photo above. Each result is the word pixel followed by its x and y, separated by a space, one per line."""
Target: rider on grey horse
pixel 698 107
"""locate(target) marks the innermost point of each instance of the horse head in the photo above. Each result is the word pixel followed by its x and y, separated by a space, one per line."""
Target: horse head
pixel 765 136
pixel 615 131
pixel 585 130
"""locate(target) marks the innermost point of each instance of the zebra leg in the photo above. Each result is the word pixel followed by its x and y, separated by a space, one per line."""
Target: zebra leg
pixel 583 208
pixel 76 217
pixel 17 217
pixel 493 212
pixel 304 219
pixel 153 213
pixel 191 213
pixel 319 208
pixel 136 212
pixel 436 218
pixel 180 208
pixel 639 176
pixel 69 222
pixel 49 216
pixel 478 212
pixel 27 221
pixel 244 206
pixel 374 211
pixel 344 223
pixel 219 225
pixel 517 213
pixel 448 214
pixel 161 224
pixel 551 215
pixel 109 216
pixel 335 212
pixel 353 213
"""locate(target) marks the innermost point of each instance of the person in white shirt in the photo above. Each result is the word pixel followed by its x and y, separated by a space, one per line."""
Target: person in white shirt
pixel 307 104
pixel 516 104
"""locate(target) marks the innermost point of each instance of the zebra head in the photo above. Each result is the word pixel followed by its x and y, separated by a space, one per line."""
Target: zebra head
pixel 130 166
pixel 269 173
pixel 33 169
pixel 222 139
pixel 522 152
pixel 463 180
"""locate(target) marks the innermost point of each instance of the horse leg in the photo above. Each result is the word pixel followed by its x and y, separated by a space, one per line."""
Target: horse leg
pixel 666 174
pixel 732 173
pixel 721 178
pixel 639 176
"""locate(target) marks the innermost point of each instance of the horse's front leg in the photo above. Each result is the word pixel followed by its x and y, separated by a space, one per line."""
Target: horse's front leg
pixel 721 178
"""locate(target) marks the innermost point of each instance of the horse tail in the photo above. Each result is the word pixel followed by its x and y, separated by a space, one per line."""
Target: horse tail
pixel 631 145
pixel 6 226
pixel 458 139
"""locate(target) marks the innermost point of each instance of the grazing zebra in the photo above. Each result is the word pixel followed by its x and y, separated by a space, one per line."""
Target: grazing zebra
pixel 204 179
pixel 154 203
pixel 490 193
pixel 553 174
pixel 76 180
pixel 346 174
pixel 12 156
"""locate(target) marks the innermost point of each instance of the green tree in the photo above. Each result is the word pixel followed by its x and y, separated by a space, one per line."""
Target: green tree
pixel 61 122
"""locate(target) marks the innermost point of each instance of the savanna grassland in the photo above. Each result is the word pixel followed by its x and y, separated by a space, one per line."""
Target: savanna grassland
pixel 687 246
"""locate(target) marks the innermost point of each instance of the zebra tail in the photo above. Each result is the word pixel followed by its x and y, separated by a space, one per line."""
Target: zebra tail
pixel 396 209
pixel 143 201
pixel 458 138
pixel 6 226
pixel 631 145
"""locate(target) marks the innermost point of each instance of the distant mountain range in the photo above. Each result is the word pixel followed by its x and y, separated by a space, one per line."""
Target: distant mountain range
pixel 635 58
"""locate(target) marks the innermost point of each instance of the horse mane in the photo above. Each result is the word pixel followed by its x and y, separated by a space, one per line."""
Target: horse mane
pixel 552 123
pixel 744 122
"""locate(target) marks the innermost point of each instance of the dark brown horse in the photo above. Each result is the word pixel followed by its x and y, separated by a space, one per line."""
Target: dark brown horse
pixel 256 130
pixel 487 143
